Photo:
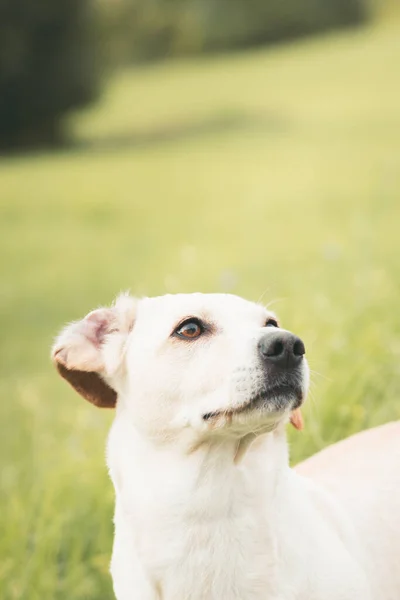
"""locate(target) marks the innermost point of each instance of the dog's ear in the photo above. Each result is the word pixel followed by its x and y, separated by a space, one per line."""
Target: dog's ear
pixel 89 352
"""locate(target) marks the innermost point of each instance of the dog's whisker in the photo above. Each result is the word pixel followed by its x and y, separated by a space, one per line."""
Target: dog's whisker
pixel 261 298
pixel 313 372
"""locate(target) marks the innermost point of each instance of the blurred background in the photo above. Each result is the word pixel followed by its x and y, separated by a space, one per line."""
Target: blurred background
pixel 244 146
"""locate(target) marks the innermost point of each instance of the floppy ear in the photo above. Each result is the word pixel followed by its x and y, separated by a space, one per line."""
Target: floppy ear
pixel 89 352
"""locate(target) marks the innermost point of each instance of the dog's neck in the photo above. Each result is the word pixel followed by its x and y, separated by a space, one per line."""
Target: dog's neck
pixel 194 504
pixel 183 465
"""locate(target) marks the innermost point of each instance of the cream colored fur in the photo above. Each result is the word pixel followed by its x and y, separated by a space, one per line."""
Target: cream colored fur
pixel 207 507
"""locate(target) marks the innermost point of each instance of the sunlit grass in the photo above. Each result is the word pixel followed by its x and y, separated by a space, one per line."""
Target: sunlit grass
pixel 271 174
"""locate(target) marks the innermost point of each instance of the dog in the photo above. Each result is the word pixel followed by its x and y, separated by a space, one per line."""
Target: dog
pixel 207 507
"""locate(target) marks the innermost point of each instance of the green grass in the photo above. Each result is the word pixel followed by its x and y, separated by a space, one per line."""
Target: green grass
pixel 271 174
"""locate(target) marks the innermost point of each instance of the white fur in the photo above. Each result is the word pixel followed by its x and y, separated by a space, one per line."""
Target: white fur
pixel 192 521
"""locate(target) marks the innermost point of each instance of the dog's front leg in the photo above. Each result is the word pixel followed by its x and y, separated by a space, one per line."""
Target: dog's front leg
pixel 129 588
pixel 130 580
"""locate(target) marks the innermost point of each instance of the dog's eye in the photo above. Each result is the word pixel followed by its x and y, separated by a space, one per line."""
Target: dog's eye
pixel 190 330
pixel 271 323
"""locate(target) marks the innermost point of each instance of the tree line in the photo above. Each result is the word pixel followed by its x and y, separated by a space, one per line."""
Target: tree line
pixel 54 52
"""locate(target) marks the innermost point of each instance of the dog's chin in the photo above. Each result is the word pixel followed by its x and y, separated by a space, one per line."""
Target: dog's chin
pixel 268 405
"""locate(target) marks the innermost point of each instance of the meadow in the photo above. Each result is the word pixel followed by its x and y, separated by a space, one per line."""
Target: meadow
pixel 272 174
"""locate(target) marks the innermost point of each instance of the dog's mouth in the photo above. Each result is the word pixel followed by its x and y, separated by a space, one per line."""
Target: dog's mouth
pixel 275 399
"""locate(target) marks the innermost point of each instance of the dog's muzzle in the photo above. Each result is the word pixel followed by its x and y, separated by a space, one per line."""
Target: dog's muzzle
pixel 282 355
pixel 278 383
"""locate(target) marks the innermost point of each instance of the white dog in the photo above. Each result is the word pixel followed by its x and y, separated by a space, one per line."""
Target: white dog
pixel 207 507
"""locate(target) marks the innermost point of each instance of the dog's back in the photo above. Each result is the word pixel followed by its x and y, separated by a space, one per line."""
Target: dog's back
pixel 363 473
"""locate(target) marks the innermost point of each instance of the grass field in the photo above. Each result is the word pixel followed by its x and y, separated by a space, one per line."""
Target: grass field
pixel 271 174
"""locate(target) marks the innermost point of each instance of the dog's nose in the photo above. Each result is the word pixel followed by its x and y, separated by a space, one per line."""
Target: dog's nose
pixel 282 349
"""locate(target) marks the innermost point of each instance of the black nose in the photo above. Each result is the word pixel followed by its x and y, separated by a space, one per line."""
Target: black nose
pixel 282 349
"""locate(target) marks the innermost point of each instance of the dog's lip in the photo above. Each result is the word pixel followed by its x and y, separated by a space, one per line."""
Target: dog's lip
pixel 282 390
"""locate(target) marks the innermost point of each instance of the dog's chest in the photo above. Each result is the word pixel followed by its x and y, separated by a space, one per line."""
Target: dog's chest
pixel 229 558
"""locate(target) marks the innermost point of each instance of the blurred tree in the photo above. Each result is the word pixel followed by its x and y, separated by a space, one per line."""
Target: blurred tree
pixel 47 67
pixel 147 29
pixel 253 22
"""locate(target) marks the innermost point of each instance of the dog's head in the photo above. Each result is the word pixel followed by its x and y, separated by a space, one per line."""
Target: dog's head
pixel 211 364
